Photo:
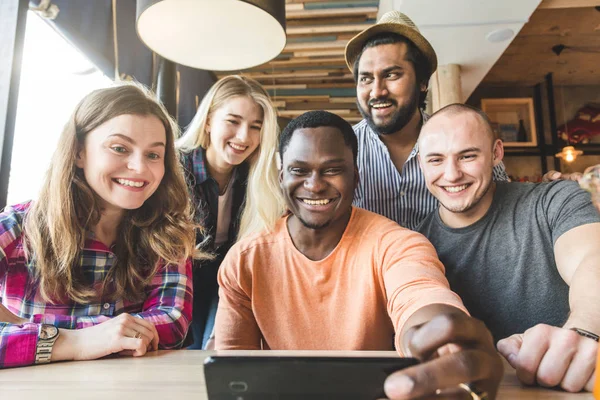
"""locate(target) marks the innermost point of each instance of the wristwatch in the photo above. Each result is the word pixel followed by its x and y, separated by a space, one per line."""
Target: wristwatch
pixel 586 334
pixel 46 338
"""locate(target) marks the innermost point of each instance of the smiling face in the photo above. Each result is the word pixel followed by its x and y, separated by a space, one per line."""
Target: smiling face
pixel 234 131
pixel 318 178
pixel 387 90
pixel 457 153
pixel 123 160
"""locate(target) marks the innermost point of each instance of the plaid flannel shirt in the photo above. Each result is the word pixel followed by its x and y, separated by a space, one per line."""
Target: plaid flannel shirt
pixel 168 302
pixel 204 192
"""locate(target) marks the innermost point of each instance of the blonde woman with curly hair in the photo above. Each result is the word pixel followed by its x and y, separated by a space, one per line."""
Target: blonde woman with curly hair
pixel 100 263
pixel 229 155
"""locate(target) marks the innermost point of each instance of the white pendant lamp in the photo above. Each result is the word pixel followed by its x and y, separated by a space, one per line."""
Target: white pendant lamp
pixel 216 35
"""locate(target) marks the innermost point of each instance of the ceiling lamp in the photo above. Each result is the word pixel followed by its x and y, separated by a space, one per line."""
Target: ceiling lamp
pixel 569 154
pixel 500 35
pixel 215 35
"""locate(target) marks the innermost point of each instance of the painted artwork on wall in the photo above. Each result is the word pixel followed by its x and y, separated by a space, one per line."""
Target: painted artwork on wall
pixel 513 120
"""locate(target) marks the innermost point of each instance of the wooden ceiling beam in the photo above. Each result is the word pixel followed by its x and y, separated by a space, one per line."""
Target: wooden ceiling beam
pixel 579 69
pixel 529 57
pixel 568 4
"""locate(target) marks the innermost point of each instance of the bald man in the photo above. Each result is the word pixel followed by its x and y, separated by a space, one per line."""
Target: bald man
pixel 523 257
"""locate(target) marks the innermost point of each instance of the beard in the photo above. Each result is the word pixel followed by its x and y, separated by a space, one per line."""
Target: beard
pixel 398 120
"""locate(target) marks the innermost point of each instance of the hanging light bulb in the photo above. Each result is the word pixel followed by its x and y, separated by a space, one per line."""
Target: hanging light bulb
pixel 569 154
pixel 569 157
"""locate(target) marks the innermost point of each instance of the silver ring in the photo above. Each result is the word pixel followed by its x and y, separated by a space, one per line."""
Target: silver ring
pixel 475 393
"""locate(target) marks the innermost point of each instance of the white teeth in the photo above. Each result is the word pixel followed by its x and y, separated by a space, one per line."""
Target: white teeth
pixel 455 189
pixel 237 146
pixel 316 202
pixel 127 182
pixel 381 105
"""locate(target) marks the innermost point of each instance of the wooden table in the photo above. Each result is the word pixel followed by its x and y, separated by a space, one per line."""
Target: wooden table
pixel 169 375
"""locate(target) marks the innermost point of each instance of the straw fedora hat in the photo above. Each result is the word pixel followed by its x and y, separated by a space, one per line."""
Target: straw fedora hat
pixel 394 22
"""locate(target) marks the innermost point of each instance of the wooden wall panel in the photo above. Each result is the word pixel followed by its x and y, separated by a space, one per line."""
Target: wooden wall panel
pixel 311 73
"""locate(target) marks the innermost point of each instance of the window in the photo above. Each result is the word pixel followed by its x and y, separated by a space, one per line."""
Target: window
pixel 54 78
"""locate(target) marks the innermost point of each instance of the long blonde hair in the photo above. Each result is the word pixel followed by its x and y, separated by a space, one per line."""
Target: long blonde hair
pixel 264 202
pixel 160 231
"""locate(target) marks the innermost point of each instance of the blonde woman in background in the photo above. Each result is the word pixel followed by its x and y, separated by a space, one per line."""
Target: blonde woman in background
pixel 99 264
pixel 229 156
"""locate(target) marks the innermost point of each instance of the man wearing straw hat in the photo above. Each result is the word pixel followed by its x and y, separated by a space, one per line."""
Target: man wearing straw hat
pixel 392 63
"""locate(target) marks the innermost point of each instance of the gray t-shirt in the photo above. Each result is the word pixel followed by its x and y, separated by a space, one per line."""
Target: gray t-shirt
pixel 502 266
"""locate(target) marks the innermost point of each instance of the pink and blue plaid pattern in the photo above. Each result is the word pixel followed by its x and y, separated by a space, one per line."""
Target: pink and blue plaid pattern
pixel 168 302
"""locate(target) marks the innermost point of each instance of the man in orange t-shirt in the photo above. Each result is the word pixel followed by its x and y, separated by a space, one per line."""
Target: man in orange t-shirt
pixel 332 276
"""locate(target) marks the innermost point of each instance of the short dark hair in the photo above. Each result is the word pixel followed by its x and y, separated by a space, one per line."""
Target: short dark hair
pixel 413 55
pixel 316 119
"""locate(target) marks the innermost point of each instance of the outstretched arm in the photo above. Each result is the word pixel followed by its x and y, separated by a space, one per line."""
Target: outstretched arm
pixel 577 255
pixel 455 350
pixel 433 326
pixel 553 356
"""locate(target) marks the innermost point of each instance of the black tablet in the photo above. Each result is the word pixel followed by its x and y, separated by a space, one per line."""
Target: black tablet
pixel 295 378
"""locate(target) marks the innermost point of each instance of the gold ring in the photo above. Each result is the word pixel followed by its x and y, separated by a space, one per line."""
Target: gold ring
pixel 138 335
pixel 475 393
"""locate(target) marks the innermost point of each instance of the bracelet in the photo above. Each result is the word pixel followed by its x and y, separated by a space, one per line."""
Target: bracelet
pixel 586 334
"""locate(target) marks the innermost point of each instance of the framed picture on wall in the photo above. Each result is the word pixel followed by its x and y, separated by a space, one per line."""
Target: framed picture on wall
pixel 513 120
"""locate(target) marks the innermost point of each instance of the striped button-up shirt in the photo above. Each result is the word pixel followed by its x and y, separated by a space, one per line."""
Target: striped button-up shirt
pixel 167 305
pixel 401 196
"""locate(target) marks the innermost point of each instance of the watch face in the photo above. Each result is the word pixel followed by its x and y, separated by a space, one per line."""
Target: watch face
pixel 48 332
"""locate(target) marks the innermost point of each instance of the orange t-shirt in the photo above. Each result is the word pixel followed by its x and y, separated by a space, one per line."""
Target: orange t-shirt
pixel 379 274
